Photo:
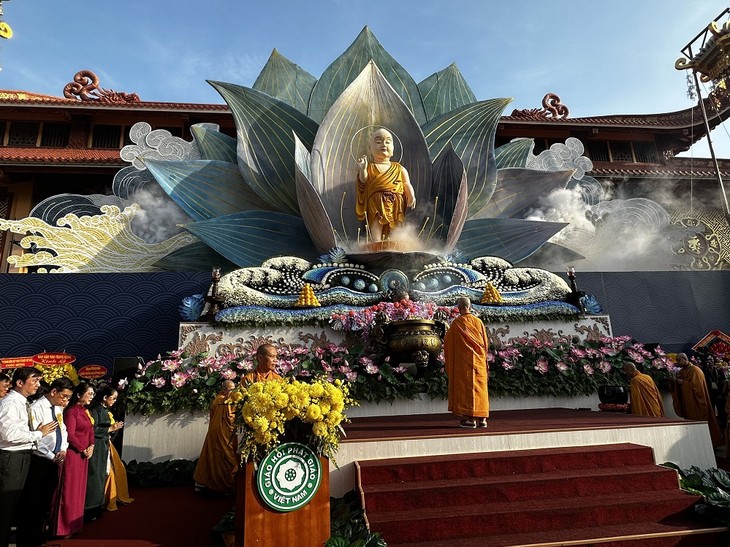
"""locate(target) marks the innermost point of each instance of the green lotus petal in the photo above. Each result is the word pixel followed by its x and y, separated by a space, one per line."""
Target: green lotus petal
pixel 214 145
pixel 286 81
pixel 445 91
pixel 265 128
pixel 514 153
pixel 512 239
pixel 314 214
pixel 249 238
pixel 196 257
pixel 205 188
pixel 343 71
pixel 519 189
pixel 344 135
pixel 449 198
pixel 470 130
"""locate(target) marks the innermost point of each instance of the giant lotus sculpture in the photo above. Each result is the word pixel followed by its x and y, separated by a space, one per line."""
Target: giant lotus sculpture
pixel 276 205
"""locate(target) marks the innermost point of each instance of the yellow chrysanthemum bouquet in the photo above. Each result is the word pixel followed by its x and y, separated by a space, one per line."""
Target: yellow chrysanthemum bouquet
pixel 283 410
pixel 54 372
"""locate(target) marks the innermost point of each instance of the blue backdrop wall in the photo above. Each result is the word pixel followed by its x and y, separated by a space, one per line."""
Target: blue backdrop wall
pixel 98 317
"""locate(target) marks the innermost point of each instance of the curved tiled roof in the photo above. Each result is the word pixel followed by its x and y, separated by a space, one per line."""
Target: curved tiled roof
pixel 11 97
pixel 60 156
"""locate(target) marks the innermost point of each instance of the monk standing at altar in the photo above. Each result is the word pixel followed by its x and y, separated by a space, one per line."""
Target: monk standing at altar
pixel 692 399
pixel 218 463
pixel 465 350
pixel 266 359
pixel 645 397
pixel 384 188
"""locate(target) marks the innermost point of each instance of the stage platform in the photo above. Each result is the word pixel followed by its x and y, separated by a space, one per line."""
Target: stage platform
pixel 685 443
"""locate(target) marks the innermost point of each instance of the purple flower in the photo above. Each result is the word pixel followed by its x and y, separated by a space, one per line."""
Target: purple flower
pixel 158 382
pixel 588 369
pixel 372 368
pixel 400 369
pixel 604 367
pixel 561 366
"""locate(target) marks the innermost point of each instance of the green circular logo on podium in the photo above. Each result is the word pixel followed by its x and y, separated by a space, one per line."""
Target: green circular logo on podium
pixel 289 476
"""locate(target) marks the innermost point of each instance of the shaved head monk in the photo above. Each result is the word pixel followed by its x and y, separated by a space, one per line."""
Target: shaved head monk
pixel 465 351
pixel 645 397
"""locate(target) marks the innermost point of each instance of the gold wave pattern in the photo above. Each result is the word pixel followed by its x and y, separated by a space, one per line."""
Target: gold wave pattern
pixel 93 244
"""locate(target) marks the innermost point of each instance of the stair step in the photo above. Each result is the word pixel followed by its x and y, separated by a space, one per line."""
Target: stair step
pixel 502 463
pixel 428 524
pixel 494 489
pixel 651 534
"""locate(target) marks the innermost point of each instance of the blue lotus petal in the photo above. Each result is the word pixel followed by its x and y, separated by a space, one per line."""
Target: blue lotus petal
pixel 205 188
pixel 214 145
pixel 252 237
pixel 286 81
pixel 514 153
pixel 445 91
pixel 196 257
pixel 470 131
pixel 509 238
pixel 518 190
pixel 343 71
pixel 265 127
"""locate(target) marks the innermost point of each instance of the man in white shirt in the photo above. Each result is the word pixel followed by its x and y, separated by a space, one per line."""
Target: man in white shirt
pixel 46 463
pixel 16 444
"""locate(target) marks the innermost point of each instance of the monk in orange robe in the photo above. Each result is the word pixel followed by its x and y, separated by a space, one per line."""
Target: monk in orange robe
pixel 266 359
pixel 465 350
pixel 384 188
pixel 645 397
pixel 692 399
pixel 218 463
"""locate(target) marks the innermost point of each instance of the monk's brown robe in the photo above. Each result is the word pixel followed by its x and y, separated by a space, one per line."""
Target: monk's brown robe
pixel 218 461
pixel 645 397
pixel 381 197
pixel 465 351
pixel 692 401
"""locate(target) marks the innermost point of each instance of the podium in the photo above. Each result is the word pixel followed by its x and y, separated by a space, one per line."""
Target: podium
pixel 258 524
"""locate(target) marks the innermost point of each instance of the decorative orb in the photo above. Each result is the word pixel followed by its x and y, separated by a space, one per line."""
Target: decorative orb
pixel 420 287
pixel 359 284
pixel 345 280
pixel 447 279
pixel 372 287
pixel 433 283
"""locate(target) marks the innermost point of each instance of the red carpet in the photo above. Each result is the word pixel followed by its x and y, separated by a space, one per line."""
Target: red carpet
pixel 584 494
pixel 159 517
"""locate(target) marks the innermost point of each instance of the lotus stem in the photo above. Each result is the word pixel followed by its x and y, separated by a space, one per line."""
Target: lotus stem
pixel 358 236
pixel 425 223
pixel 342 217
pixel 435 207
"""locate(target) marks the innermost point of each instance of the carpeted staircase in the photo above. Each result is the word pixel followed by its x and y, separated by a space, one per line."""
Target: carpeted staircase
pixel 610 495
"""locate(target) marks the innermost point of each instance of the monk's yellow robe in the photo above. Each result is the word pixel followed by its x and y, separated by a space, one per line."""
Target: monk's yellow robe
pixel 381 197
pixel 645 397
pixel 116 489
pixel 465 350
pixel 692 400
pixel 256 376
pixel 218 461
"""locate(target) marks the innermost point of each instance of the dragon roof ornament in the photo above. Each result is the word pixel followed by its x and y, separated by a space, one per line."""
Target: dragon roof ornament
pixel 85 87
pixel 552 108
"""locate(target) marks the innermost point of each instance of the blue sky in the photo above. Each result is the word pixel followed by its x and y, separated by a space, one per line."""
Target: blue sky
pixel 600 57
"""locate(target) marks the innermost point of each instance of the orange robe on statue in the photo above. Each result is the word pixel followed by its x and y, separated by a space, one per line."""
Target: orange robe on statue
pixel 218 463
pixel 692 401
pixel 645 397
pixel 382 198
pixel 465 351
